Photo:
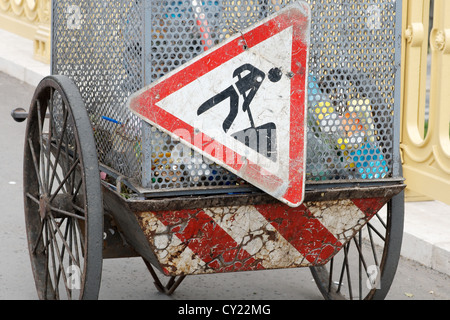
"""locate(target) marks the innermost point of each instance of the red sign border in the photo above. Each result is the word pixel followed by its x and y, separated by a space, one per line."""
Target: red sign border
pixel 143 103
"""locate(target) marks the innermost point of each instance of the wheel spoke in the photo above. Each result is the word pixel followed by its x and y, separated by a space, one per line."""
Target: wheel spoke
pixel 64 242
pixel 45 221
pixel 79 209
pixel 360 254
pixel 49 138
pixel 41 141
pixel 60 259
pixel 56 176
pixel 75 239
pixel 341 277
pixel 61 268
pixel 82 240
pixel 51 257
pixel 369 225
pixel 330 275
pixel 362 262
pixel 372 245
pixel 359 269
pixel 347 268
pixel 47 282
pixel 66 177
pixel 73 180
pixel 38 240
pixel 34 199
pixel 67 213
pixel 58 148
pixel 77 189
pixel 383 223
pixel 35 164
pixel 55 248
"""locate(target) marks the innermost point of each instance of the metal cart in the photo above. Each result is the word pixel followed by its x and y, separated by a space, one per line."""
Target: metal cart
pixel 99 182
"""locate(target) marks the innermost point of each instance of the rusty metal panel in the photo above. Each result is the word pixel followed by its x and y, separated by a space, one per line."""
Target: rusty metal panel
pixel 254 237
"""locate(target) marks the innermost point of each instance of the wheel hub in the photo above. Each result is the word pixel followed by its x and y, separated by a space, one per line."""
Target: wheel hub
pixel 44 206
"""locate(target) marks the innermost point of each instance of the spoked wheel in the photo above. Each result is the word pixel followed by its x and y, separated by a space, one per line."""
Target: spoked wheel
pixel 62 193
pixel 366 266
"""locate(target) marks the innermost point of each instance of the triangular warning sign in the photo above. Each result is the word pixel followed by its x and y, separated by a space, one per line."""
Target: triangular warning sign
pixel 242 103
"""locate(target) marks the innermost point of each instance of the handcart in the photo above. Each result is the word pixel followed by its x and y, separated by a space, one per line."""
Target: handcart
pixel 100 181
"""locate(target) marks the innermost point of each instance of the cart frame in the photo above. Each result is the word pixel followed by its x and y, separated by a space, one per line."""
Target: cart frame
pixel 141 208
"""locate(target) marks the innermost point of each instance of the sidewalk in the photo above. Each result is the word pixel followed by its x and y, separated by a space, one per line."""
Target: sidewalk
pixel 16 59
pixel 426 236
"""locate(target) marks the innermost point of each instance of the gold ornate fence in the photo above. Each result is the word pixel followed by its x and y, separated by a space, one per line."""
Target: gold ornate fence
pixel 29 19
pixel 425 141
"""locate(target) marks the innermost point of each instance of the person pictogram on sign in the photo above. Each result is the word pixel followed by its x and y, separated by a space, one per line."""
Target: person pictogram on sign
pixel 247 85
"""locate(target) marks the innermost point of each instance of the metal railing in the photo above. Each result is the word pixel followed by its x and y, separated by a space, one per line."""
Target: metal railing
pixel 425 141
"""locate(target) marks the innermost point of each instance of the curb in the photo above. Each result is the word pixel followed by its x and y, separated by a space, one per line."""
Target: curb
pixel 16 59
pixel 426 236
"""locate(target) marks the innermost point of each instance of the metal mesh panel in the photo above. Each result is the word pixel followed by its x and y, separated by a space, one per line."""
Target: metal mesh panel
pixel 94 44
pixel 351 90
pixel 105 48
pixel 175 166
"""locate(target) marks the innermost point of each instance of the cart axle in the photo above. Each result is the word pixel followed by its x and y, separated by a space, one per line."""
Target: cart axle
pixel 20 114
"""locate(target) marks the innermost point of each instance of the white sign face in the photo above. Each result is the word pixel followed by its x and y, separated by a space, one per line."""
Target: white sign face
pixel 242 103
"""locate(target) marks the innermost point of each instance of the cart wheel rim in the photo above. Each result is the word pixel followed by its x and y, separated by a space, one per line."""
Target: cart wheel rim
pixel 62 193
pixel 366 266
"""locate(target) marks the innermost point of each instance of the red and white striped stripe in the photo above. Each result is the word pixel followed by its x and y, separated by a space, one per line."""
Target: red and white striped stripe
pixel 227 239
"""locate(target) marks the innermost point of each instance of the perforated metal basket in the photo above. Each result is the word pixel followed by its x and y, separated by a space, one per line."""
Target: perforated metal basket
pixel 113 48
